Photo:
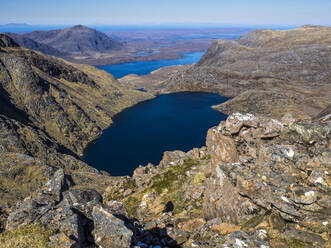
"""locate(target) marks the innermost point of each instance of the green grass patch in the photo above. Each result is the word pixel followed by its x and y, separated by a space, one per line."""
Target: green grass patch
pixel 169 184
pixel 29 236
pixel 295 243
pixel 252 222
pixel 117 191
pixel 199 178
pixel 132 202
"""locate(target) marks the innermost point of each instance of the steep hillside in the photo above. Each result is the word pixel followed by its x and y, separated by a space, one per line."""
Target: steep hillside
pixel 266 71
pixel 33 45
pixel 50 110
pixel 79 40
pixel 71 103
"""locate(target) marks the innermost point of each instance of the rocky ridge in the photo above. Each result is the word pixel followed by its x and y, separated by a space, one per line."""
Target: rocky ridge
pixel 265 71
pixel 50 110
pixel 71 103
pixel 33 45
pixel 259 182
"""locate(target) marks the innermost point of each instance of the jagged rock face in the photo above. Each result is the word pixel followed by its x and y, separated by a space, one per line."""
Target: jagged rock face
pixel 222 147
pixel 271 191
pixel 71 103
pixel 266 71
pixel 5 41
pixel 49 208
pixel 262 175
pixel 110 231
pixel 223 200
pixel 286 171
pixel 324 115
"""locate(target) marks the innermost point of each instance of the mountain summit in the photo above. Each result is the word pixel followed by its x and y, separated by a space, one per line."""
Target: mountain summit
pixel 79 40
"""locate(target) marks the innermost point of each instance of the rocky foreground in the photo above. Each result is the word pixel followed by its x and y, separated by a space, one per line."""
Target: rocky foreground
pixel 259 182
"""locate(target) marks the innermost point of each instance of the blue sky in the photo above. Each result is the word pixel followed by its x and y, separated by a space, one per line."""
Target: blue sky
pixel 153 12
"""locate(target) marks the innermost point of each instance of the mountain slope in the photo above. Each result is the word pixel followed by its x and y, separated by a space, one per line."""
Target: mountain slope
pixel 50 110
pixel 71 103
pixel 33 45
pixel 77 40
pixel 272 70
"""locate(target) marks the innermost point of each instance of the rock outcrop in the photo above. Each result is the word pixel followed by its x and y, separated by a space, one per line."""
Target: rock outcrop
pixel 110 231
pixel 58 208
pixel 271 189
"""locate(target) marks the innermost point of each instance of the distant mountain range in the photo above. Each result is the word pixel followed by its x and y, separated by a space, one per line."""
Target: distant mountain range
pixel 15 25
pixel 68 42
pixel 22 27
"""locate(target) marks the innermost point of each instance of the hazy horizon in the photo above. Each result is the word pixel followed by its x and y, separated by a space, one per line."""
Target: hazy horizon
pixel 163 13
pixel 25 27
